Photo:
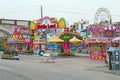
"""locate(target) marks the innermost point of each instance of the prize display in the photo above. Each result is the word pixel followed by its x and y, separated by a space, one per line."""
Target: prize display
pixel 97 50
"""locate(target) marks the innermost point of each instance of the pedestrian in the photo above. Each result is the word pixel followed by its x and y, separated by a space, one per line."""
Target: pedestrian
pixel 38 52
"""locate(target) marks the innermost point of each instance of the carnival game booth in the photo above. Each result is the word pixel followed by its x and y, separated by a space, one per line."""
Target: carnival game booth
pixel 12 42
pixel 39 43
pixel 59 42
pixel 102 39
pixel 97 49
pixel 75 41
pixel 19 45
pixel 19 40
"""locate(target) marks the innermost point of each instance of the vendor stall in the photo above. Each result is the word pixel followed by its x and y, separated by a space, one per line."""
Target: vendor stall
pixel 19 40
pixel 97 50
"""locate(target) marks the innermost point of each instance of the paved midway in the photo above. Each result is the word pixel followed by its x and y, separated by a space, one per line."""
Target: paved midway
pixel 70 68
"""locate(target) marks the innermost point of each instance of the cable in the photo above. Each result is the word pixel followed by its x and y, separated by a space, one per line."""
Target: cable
pixel 47 9
pixel 68 12
pixel 16 11
pixel 50 10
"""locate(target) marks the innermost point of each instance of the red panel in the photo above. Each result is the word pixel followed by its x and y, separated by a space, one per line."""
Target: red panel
pixel 47 26
pixel 66 45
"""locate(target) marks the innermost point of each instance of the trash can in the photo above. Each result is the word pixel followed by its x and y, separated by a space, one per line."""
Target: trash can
pixel 113 58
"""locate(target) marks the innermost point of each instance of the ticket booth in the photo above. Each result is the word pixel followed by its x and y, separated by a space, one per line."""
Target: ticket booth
pixel 113 58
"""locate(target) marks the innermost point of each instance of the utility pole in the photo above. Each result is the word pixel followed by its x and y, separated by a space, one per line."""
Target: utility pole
pixel 41 12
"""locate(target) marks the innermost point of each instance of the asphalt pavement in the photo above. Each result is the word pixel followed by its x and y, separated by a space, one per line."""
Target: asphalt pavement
pixel 80 67
pixel 79 61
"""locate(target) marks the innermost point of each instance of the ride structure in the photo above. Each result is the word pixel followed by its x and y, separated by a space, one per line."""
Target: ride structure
pixel 43 30
pixel 102 34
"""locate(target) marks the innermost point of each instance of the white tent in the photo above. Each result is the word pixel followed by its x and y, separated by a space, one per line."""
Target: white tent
pixel 116 39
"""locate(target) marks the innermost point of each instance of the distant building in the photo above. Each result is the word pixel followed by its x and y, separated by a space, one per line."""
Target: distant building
pixel 6 25
pixel 116 23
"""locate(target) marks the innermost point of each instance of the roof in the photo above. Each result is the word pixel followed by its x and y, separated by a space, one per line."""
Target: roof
pixel 74 39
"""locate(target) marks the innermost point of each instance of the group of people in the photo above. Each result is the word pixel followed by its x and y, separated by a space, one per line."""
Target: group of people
pixel 40 52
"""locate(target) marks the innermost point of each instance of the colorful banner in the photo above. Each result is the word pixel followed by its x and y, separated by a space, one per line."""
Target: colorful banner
pixel 61 23
pixel 32 25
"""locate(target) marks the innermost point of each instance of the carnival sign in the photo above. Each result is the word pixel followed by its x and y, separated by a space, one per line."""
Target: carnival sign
pixel 47 22
pixel 108 33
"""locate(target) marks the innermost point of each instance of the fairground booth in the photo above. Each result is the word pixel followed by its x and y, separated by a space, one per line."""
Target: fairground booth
pixel 72 40
pixel 19 39
pixel 97 48
pixel 43 30
pixel 102 38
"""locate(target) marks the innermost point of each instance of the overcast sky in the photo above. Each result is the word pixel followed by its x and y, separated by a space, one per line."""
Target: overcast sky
pixel 71 10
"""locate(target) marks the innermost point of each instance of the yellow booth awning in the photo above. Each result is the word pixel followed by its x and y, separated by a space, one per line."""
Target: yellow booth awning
pixel 74 39
pixel 56 39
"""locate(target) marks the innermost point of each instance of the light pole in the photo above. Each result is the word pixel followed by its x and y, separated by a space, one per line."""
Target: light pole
pixel 41 11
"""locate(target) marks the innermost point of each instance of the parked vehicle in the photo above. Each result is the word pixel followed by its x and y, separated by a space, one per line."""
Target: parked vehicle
pixel 16 56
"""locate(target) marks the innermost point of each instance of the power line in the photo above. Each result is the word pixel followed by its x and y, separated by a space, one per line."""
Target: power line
pixel 68 12
pixel 16 11
pixel 50 10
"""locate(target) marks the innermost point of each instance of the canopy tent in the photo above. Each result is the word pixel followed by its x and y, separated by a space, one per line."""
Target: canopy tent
pixel 116 39
pixel 75 40
pixel 56 39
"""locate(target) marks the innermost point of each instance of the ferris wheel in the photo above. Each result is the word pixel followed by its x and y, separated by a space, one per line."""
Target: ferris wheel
pixel 102 15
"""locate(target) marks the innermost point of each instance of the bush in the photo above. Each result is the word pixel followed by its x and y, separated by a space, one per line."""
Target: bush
pixel 7 56
pixel 66 54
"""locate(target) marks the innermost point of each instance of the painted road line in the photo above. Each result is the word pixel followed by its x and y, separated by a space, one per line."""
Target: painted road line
pixel 6 68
